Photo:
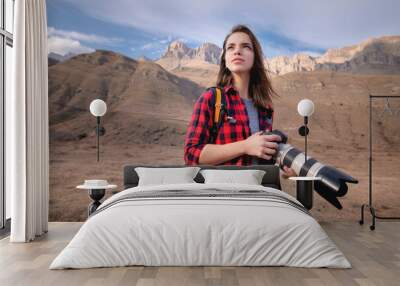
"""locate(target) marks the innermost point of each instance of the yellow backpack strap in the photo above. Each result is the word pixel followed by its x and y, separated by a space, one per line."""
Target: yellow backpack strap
pixel 217 105
pixel 219 112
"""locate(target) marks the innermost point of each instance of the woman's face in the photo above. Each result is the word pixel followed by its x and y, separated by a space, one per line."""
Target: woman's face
pixel 239 55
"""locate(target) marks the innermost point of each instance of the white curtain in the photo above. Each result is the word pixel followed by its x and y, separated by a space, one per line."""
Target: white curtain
pixel 27 143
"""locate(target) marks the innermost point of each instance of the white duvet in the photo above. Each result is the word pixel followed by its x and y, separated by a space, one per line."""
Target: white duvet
pixel 200 231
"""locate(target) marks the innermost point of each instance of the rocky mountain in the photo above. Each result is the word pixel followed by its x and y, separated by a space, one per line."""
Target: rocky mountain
pixel 386 45
pixel 178 50
pixel 178 55
pixel 209 53
pixel 284 64
pixel 376 55
pixel 373 56
pixel 135 92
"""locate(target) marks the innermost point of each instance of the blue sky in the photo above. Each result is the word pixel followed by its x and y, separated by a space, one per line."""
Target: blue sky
pixel 145 28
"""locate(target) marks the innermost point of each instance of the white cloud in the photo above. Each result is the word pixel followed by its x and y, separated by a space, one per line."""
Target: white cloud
pixel 167 40
pixel 63 42
pixel 189 20
pixel 325 24
pixel 150 46
pixel 63 46
pixel 90 38
pixel 164 41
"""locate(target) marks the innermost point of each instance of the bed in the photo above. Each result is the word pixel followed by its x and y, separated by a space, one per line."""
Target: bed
pixel 201 224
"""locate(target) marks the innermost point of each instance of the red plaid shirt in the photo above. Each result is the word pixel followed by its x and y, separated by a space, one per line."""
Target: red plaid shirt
pixel 198 132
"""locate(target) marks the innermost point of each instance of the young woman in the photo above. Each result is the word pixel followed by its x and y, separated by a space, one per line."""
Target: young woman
pixel 248 94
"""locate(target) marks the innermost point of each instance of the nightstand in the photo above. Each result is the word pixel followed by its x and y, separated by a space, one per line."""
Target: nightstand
pixel 304 190
pixel 96 190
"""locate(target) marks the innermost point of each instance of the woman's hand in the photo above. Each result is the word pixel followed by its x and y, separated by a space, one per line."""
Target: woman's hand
pixel 288 172
pixel 262 146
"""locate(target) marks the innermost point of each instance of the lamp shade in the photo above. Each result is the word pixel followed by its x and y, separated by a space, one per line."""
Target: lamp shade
pixel 98 107
pixel 305 107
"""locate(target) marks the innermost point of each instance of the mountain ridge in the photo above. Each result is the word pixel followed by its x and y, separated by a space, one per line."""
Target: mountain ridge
pixel 374 55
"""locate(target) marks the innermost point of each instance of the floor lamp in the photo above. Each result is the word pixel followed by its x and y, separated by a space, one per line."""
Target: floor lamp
pixel 98 108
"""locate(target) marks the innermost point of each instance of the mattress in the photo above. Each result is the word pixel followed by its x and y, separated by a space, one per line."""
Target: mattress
pixel 201 225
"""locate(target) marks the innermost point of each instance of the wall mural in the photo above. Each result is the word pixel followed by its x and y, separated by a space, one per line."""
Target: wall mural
pixel 150 64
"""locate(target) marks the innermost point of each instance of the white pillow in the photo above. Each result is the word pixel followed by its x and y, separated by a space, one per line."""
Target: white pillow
pixel 249 177
pixel 162 176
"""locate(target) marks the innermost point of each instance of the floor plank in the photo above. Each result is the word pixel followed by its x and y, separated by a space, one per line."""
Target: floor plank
pixel 374 255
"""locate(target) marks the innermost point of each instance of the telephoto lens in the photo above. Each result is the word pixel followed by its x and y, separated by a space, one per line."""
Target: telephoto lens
pixel 333 181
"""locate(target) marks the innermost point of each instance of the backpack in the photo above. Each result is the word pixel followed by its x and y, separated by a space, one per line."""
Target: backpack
pixel 219 112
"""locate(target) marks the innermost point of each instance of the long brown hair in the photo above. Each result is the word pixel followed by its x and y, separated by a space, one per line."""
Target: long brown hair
pixel 260 88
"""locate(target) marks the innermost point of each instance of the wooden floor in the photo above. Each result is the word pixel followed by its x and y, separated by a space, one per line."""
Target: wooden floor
pixel 374 255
